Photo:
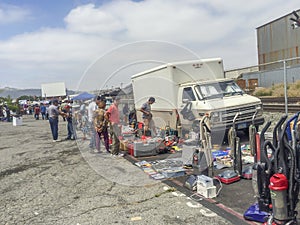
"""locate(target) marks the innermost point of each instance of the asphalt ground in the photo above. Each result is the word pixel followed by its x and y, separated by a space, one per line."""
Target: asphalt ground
pixel 232 200
pixel 42 182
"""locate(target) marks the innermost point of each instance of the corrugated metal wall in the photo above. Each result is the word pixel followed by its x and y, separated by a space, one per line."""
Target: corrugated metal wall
pixel 278 40
pixel 269 78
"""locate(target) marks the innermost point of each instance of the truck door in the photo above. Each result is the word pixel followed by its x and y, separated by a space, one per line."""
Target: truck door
pixel 186 102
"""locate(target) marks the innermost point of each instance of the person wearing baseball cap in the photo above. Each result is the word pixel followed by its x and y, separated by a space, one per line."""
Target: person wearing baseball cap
pixel 152 100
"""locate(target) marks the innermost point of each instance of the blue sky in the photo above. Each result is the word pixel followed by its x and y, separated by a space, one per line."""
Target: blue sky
pixel 36 14
pixel 96 44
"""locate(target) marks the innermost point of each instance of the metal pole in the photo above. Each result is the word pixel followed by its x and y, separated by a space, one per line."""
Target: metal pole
pixel 285 87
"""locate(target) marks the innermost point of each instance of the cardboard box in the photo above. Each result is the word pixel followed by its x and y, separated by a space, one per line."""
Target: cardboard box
pixel 123 145
pixel 227 161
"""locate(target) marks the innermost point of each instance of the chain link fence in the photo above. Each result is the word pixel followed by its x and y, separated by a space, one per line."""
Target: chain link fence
pixel 268 75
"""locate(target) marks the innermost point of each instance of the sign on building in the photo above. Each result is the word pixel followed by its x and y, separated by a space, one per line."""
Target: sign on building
pixel 53 89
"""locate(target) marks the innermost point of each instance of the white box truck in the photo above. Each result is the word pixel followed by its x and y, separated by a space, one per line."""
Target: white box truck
pixel 187 91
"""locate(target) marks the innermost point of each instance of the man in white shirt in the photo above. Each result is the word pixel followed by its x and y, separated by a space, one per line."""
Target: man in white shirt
pixel 91 109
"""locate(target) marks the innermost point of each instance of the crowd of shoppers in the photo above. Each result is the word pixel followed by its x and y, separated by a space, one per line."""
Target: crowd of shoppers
pixel 101 123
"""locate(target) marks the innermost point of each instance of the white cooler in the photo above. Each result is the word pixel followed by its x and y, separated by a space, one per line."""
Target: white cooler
pixel 17 121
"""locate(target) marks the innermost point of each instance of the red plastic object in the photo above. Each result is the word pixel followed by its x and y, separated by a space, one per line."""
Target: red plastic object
pixel 130 149
pixel 140 125
pixel 278 182
pixel 247 176
pixel 257 140
pixel 228 180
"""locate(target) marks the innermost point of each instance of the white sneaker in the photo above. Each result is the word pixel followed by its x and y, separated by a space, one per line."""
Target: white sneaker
pixel 120 155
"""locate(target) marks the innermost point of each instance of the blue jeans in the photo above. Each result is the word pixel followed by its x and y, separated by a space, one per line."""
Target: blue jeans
pixel 54 127
pixel 71 133
pixel 43 115
pixel 93 135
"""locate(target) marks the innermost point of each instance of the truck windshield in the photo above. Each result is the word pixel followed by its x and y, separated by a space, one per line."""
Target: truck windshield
pixel 219 89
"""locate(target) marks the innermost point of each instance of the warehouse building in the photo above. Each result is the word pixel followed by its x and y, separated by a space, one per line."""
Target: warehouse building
pixel 278 46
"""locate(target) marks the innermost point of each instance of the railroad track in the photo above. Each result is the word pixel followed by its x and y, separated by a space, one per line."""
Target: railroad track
pixel 277 104
pixel 279 100
pixel 292 108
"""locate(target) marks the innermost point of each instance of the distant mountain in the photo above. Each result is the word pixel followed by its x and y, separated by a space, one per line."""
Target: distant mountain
pixel 16 93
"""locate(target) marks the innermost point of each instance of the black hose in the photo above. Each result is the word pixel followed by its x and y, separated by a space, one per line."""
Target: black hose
pixel 287 158
pixel 262 134
pixel 280 122
pixel 252 142
pixel 267 159
pixel 291 177
pixel 280 150
pixel 278 128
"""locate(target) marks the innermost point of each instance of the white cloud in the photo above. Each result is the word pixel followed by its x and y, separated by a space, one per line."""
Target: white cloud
pixel 210 28
pixel 91 20
pixel 51 44
pixel 12 14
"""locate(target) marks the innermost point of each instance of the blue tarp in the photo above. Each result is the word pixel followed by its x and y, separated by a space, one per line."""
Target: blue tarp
pixel 84 96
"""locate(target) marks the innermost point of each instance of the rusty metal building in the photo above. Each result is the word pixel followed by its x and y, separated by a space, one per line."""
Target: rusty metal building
pixel 278 40
pixel 278 49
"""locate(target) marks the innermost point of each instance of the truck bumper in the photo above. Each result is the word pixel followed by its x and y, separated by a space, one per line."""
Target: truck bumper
pixel 240 125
